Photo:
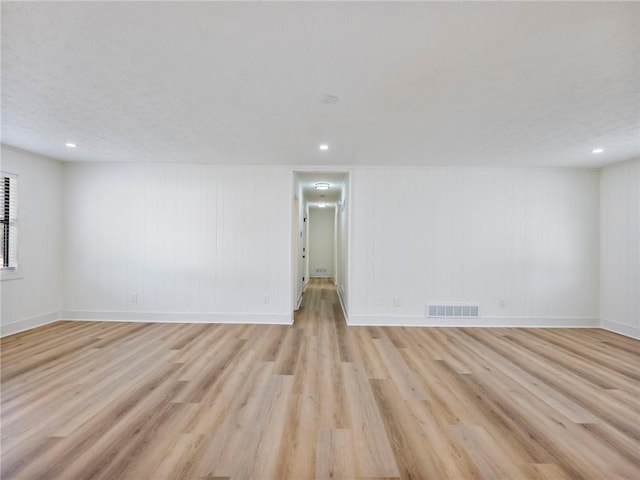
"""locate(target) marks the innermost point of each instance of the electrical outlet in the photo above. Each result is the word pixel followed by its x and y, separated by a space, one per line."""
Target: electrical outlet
pixel 134 297
pixel 377 301
pixel 266 300
pixel 503 303
pixel 396 302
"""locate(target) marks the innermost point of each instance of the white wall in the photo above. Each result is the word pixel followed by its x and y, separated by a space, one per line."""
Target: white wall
pixel 620 248
pixel 208 243
pixel 298 239
pixel 527 236
pixel 194 243
pixel 32 298
pixel 342 245
pixel 321 242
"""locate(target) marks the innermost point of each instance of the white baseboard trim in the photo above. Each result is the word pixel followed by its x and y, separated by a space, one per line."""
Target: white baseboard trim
pixel 179 317
pixel 522 322
pixel 621 328
pixel 299 300
pixel 28 323
pixel 344 310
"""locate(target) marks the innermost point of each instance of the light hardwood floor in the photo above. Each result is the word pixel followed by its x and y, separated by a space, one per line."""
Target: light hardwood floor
pixel 318 400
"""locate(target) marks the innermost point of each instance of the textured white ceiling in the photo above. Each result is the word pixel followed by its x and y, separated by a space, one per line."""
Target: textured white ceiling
pixel 533 84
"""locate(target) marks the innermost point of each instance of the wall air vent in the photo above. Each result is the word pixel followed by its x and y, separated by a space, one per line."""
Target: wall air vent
pixel 453 310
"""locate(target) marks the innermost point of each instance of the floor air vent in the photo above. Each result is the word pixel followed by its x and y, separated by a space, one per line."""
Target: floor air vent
pixel 453 310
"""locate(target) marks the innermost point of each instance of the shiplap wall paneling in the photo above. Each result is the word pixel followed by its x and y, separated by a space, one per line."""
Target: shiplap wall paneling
pixel 209 241
pixel 343 246
pixel 620 248
pixel 31 295
pixel 523 243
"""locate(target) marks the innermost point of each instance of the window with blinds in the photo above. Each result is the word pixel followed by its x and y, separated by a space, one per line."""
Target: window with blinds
pixel 9 220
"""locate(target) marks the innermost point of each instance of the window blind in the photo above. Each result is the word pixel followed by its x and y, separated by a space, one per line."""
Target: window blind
pixel 8 221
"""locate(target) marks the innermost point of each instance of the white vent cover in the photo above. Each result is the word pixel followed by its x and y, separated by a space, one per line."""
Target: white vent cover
pixel 321 270
pixel 453 310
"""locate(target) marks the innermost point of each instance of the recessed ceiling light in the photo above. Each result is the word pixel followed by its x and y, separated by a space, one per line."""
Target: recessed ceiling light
pixel 328 99
pixel 324 146
pixel 322 186
pixel 597 150
pixel 322 205
pixel 70 145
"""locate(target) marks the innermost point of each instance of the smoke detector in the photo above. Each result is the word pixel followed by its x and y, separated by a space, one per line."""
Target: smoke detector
pixel 328 99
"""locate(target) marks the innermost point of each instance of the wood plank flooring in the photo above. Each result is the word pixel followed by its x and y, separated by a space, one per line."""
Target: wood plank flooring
pixel 318 400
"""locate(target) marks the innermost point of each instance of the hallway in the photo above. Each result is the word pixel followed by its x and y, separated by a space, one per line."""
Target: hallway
pixel 320 300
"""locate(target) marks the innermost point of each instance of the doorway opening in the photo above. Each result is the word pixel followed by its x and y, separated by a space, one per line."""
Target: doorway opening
pixel 320 243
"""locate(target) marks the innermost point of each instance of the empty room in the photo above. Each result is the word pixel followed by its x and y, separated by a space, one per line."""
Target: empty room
pixel 320 240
